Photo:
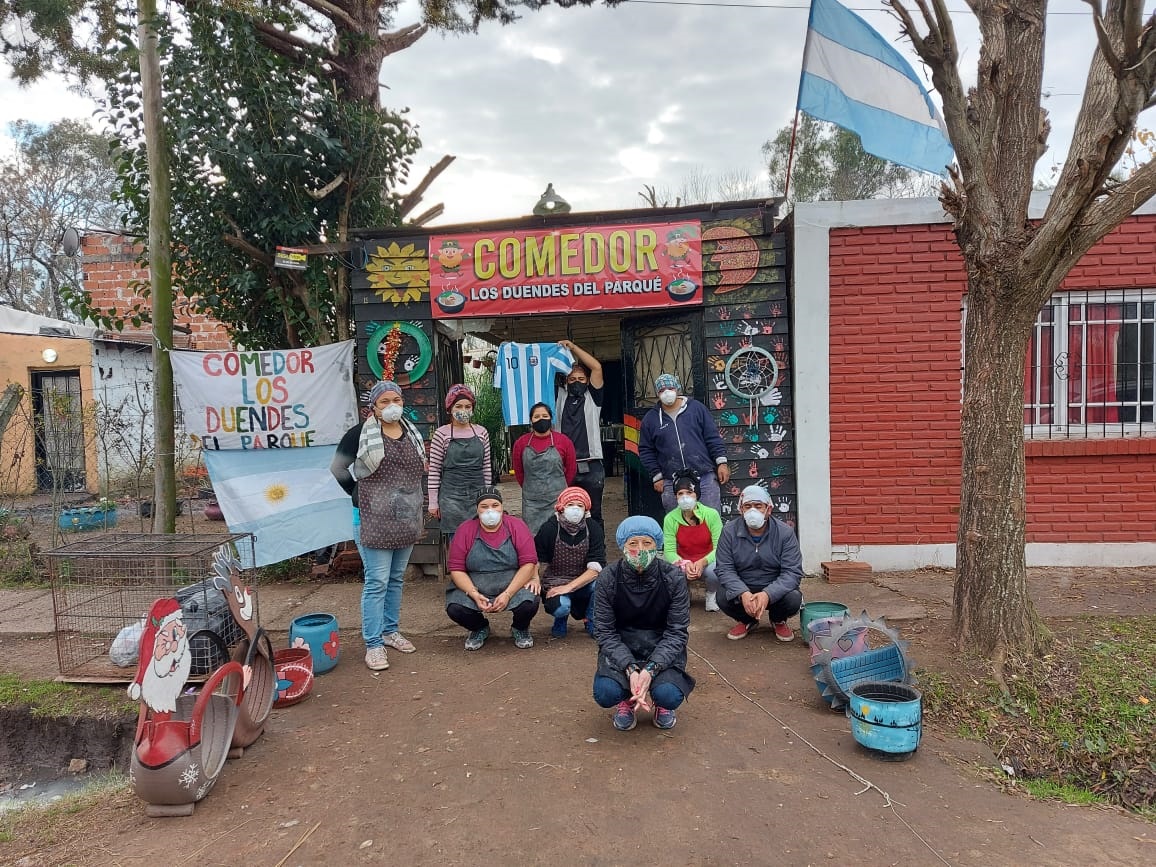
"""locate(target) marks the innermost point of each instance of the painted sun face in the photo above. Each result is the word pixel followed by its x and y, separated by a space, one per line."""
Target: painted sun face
pixel 394 269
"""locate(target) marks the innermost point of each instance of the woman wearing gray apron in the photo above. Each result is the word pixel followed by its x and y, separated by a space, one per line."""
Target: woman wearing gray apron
pixel 493 567
pixel 544 463
pixel 571 552
pixel 459 462
pixel 641 624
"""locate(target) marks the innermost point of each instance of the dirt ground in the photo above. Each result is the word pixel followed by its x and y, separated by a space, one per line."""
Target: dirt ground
pixel 501 756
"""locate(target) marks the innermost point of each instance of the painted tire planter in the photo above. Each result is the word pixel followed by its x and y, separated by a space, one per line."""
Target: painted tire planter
pixel 89 518
pixel 294 667
pixel 318 634
pixel 886 717
pixel 259 691
pixel 819 610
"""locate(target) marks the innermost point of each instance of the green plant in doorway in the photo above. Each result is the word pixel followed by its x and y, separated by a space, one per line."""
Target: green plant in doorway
pixel 488 413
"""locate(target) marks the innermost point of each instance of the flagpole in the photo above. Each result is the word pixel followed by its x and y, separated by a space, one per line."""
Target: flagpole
pixel 798 95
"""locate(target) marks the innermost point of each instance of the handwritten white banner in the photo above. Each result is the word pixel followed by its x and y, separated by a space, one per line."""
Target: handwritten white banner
pixel 276 398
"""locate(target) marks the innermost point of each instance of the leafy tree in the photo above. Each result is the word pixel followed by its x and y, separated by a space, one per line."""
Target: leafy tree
pixel 58 177
pixel 1014 264
pixel 830 165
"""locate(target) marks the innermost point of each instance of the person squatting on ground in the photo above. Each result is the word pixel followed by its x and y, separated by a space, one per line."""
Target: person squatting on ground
pixel 691 531
pixel 544 464
pixel 578 408
pixel 641 624
pixel 380 464
pixel 493 567
pixel 759 567
pixel 459 462
pixel 571 552
pixel 679 432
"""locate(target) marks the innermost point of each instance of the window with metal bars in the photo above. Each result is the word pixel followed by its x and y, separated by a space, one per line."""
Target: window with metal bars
pixel 1089 368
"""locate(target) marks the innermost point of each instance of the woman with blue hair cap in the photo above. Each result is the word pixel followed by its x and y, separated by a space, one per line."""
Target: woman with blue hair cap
pixel 641 624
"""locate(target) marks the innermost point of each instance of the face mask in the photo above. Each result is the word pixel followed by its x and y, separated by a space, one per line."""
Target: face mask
pixel 668 396
pixel 391 413
pixel 542 425
pixel 754 518
pixel 490 518
pixel 576 389
pixel 573 514
pixel 642 559
pixel 463 416
pixel 687 503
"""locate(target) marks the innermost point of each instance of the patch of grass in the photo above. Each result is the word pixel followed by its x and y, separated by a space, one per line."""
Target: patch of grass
pixel 46 698
pixel 37 827
pixel 1046 790
pixel 295 570
pixel 1082 718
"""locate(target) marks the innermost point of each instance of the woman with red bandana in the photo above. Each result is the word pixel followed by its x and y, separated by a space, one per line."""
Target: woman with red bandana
pixel 571 550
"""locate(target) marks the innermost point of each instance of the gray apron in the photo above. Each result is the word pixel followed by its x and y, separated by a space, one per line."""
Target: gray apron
pixel 491 570
pixel 544 478
pixel 461 481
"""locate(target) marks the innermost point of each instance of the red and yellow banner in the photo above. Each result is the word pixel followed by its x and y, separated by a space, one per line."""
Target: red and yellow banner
pixel 576 269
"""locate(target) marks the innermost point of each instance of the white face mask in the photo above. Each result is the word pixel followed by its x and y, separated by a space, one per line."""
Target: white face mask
pixel 490 518
pixel 754 518
pixel 391 413
pixel 573 514
pixel 668 396
pixel 687 504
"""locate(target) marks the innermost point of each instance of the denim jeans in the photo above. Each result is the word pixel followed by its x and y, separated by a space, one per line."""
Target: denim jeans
pixel 710 494
pixel 381 596
pixel 608 693
pixel 579 604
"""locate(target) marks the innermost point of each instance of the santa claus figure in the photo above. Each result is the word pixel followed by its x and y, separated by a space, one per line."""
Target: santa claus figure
pixel 165 659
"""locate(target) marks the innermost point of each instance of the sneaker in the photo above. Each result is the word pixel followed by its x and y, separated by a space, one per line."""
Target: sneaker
pixel 624 719
pixel 741 630
pixel 783 632
pixel 558 630
pixel 711 602
pixel 477 638
pixel 398 642
pixel 522 638
pixel 664 719
pixel 376 659
pixel 588 625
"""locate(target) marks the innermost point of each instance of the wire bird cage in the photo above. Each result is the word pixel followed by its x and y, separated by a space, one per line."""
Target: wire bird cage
pixel 102 589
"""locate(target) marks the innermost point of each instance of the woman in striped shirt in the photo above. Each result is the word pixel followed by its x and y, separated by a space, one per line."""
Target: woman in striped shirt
pixel 459 462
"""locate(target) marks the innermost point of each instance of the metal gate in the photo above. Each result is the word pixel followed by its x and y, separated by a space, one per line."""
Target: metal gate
pixel 651 346
pixel 58 412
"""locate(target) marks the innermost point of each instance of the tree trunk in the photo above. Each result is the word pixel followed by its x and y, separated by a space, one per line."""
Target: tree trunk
pixel 992 609
pixel 160 273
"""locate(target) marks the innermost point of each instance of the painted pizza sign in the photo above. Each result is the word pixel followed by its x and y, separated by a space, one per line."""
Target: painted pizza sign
pixel 576 269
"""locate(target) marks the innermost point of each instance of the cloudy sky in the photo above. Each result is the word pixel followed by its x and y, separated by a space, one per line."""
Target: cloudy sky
pixel 601 102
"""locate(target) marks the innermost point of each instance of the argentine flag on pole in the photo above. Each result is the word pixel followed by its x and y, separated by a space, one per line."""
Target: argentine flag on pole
pixel 853 78
pixel 286 498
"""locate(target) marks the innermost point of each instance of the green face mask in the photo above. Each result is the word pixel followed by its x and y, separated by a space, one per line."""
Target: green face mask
pixel 642 559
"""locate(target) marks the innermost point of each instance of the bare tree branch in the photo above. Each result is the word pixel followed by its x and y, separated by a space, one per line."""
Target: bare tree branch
pixel 333 12
pixel 398 40
pixel 425 216
pixel 283 36
pixel 238 242
pixel 411 199
pixel 1105 43
pixel 328 188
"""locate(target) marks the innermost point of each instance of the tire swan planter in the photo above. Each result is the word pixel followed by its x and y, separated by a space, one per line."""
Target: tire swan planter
pixel 836 671
pixel 182 741
pixel 254 653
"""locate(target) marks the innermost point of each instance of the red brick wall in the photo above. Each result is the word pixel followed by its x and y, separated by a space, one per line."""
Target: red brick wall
pixel 895 359
pixel 110 265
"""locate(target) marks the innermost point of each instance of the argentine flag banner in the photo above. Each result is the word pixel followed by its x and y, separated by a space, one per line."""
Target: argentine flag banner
pixel 286 498
pixel 853 78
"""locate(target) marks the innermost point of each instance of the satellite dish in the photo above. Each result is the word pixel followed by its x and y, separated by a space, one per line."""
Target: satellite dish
pixel 70 242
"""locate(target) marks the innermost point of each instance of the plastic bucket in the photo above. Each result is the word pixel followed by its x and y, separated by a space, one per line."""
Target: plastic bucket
pixel 815 610
pixel 318 634
pixel 886 717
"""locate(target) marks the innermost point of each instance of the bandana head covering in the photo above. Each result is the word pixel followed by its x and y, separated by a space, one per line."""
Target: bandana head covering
pixel 638 525
pixel 489 492
pixel 383 387
pixel 456 393
pixel 570 495
pixel 755 494
pixel 667 380
pixel 686 479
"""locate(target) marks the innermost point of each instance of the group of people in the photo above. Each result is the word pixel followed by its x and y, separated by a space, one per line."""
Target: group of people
pixel 554 555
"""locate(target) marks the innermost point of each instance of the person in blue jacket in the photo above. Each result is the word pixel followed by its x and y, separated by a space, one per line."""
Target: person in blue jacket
pixel 759 568
pixel 679 433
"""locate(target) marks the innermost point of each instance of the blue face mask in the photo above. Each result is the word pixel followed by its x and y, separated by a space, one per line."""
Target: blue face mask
pixel 642 559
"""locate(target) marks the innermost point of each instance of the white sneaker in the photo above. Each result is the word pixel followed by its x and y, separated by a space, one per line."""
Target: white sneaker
pixel 711 602
pixel 376 659
pixel 398 642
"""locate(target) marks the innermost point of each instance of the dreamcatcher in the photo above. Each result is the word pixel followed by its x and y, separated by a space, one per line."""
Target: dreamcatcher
pixel 751 374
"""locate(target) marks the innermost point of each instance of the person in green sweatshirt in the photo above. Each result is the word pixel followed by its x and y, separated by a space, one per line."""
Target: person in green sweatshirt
pixel 690 532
